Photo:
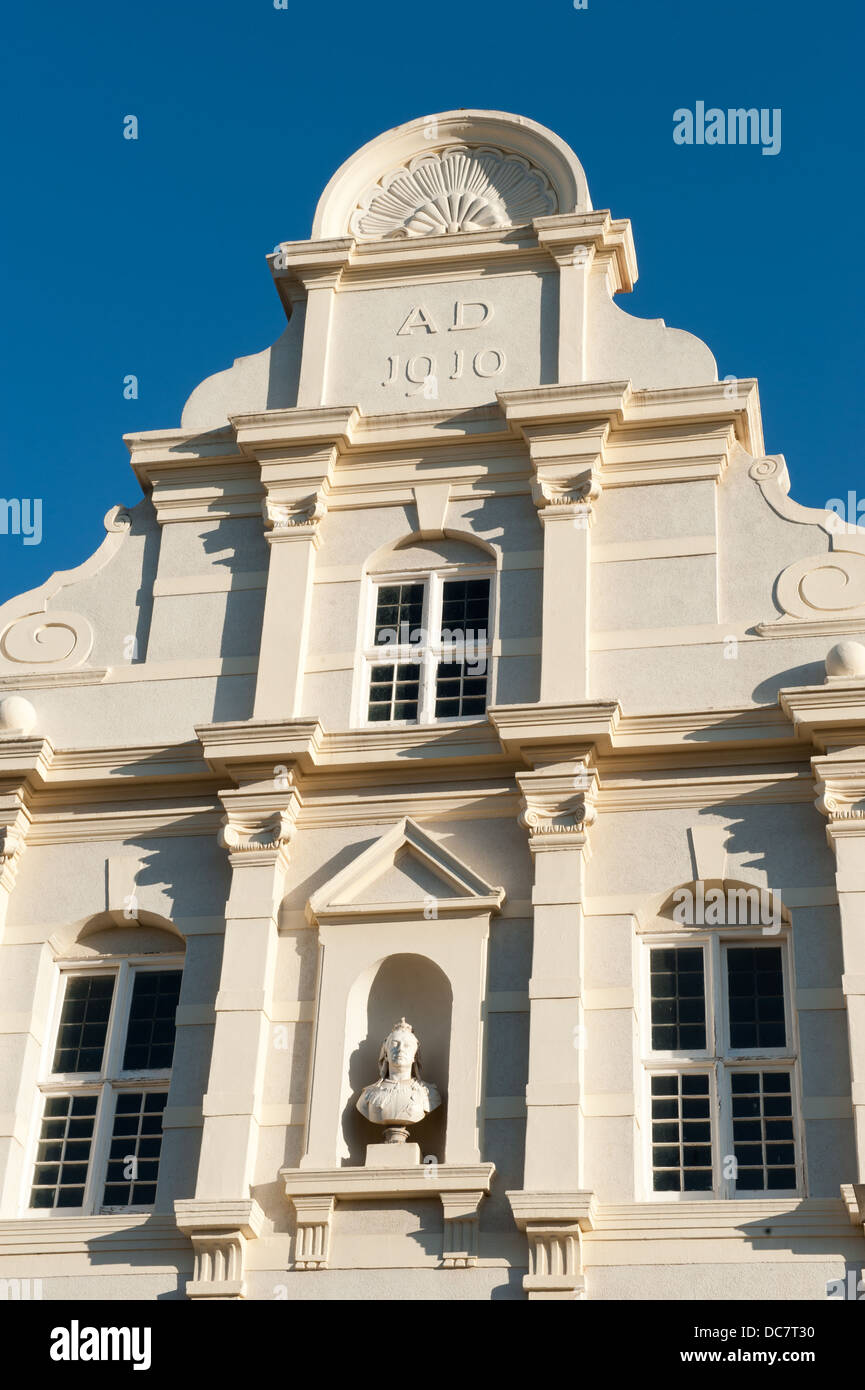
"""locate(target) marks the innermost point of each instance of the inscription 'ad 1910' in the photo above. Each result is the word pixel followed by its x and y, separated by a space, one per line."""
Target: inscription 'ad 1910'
pixel 420 370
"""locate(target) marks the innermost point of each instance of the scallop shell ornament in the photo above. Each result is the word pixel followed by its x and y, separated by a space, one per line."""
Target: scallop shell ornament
pixel 457 189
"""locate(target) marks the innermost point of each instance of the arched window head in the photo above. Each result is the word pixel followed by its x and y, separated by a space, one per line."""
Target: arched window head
pixel 427 634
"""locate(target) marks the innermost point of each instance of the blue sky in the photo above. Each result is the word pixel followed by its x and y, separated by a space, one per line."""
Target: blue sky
pixel 147 257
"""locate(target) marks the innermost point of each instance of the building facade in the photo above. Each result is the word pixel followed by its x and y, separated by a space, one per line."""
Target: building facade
pixel 465 663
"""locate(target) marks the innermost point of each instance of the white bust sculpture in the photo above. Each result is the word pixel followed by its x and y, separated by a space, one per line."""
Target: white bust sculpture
pixel 399 1097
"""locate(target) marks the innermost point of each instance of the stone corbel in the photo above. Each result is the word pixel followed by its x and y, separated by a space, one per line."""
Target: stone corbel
pixel 14 824
pixel 840 788
pixel 314 1223
pixel 554 1223
pixel 567 499
pixel 260 824
pixel 295 520
pixel 853 1197
pixel 461 1229
pixel 219 1232
pixel 559 804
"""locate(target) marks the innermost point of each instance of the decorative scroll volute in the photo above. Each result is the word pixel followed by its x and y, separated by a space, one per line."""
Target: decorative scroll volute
pixel 260 824
pixel 559 805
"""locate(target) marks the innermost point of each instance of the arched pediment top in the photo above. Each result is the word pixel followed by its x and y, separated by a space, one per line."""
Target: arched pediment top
pixel 415 551
pixel 722 902
pixel 405 873
pixel 456 171
pixel 113 934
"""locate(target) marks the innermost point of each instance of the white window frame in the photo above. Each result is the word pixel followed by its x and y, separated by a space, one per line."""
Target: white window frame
pixel 718 1058
pixel 106 1084
pixel 426 654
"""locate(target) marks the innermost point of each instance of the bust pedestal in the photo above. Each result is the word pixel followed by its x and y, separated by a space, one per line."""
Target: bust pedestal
pixel 392 1155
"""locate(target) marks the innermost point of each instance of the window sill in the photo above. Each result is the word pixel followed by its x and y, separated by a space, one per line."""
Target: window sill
pixel 53 1233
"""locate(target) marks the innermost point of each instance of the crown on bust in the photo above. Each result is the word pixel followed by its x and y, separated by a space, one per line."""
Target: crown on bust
pixel 402 1025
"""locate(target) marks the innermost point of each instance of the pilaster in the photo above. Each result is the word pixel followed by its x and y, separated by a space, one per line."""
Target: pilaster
pixel 841 798
pixel 566 457
pixel 259 823
pixel 832 717
pixel 557 811
pixel 297 451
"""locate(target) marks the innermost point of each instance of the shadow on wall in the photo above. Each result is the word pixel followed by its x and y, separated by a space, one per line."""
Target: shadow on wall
pixel 157 1249
pixel 766 693
pixel 796 1230
pixel 283 376
pixel 144 523
pixel 244 611
pixel 412 987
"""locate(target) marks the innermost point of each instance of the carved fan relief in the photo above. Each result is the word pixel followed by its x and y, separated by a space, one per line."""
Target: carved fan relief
pixel 454 190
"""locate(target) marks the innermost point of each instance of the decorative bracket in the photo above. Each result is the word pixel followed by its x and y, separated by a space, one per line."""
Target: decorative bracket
pixel 840 787
pixel 461 1229
pixel 559 805
pixel 295 520
pixel 260 824
pixel 554 1223
pixel 567 499
pixel 14 824
pixel 853 1197
pixel 219 1232
pixel 312 1249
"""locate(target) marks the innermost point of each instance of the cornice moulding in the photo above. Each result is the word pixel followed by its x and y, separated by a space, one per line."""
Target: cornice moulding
pixel 826 714
pixel 544 731
pixel 49 680
pixel 57 1235
pixel 531 1208
pixel 196 1215
pixel 417 1181
pixel 741 1220
pixel 255 743
pixel 96 826
pixel 26 760
pixel 791 628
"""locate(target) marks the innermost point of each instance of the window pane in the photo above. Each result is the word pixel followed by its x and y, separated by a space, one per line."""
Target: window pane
pixel 763 1131
pixel 681 1133
pixel 394 691
pixel 465 610
pixel 136 1145
pixel 460 691
pixel 63 1156
pixel 755 990
pixel 150 1032
pixel 83 1023
pixel 678 999
pixel 398 613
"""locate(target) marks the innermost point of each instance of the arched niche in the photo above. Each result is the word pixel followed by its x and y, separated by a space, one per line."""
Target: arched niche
pixel 404 985
pixel 113 934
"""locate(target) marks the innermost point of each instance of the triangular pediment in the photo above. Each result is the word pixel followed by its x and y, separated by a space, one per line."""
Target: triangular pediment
pixel 405 872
